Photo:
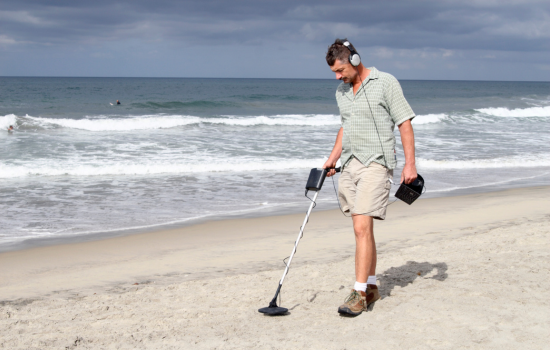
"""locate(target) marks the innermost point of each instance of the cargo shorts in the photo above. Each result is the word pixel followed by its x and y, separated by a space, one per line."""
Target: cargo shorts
pixel 365 190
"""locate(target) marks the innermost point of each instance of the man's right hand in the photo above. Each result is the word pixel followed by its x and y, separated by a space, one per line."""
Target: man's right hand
pixel 330 164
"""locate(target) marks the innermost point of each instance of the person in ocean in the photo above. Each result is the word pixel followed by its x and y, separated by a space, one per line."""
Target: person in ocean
pixel 117 102
pixel 10 129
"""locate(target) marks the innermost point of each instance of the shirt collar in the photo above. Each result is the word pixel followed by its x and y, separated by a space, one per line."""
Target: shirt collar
pixel 348 88
pixel 374 74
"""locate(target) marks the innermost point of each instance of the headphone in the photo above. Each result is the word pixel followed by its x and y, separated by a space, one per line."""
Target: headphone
pixel 354 57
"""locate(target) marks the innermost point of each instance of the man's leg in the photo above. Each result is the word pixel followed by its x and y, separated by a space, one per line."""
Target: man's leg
pixel 365 247
pixel 365 263
pixel 365 255
pixel 361 191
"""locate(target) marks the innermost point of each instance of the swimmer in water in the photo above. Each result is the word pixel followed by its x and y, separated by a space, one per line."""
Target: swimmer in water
pixel 117 102
pixel 10 129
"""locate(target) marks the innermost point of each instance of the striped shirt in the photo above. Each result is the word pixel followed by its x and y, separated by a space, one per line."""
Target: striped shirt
pixel 368 132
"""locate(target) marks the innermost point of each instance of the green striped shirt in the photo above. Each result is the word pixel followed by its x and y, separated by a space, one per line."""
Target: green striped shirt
pixel 368 136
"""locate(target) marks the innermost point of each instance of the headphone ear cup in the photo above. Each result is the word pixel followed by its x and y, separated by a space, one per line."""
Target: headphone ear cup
pixel 354 59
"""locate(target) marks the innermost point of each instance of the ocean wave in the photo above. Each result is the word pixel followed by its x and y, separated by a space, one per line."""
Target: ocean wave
pixel 428 119
pixel 517 113
pixel 286 119
pixel 266 97
pixel 505 162
pixel 179 104
pixel 151 168
pixel 171 121
pixel 8 120
pixel 486 184
pixel 120 124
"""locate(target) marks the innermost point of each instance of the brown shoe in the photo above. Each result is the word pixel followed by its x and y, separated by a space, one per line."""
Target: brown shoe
pixel 372 294
pixel 354 304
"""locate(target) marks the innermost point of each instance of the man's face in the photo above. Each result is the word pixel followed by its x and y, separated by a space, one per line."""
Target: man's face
pixel 344 71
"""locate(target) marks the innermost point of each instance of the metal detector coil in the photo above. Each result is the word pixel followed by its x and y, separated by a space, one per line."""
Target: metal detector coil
pixel 409 193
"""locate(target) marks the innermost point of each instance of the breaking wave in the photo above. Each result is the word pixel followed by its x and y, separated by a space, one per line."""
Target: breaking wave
pixel 119 124
pixel 428 119
pixel 150 167
pixel 8 120
pixel 170 121
pixel 506 162
pixel 518 112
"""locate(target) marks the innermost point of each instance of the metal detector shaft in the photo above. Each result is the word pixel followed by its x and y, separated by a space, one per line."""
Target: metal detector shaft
pixel 295 246
pixel 314 183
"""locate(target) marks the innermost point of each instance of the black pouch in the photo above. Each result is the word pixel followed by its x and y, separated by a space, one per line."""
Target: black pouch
pixel 409 193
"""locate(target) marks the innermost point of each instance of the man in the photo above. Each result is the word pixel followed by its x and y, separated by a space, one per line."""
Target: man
pixel 371 103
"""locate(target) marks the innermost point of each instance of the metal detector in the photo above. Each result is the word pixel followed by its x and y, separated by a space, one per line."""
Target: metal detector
pixel 314 183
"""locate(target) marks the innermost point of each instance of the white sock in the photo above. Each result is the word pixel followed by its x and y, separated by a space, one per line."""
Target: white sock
pixel 360 286
pixel 371 280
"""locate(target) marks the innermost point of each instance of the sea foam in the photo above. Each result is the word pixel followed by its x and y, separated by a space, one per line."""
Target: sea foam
pixel 114 167
pixel 518 112
pixel 504 162
pixel 428 119
pixel 120 124
pixel 288 119
pixel 8 120
pixel 150 122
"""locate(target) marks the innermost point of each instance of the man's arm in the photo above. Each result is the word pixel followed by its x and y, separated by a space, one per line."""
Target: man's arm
pixel 407 139
pixel 335 154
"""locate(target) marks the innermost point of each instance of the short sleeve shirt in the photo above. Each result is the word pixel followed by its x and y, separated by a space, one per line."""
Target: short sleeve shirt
pixel 369 118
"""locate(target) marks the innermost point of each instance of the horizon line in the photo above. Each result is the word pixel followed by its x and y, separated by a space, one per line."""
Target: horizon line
pixel 130 77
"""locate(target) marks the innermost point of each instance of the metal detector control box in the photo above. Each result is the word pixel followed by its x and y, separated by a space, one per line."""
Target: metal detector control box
pixel 317 178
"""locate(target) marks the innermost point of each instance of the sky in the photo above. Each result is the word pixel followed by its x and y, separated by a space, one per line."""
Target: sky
pixel 422 39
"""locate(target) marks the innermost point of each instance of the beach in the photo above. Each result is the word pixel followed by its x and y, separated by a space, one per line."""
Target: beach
pixel 467 271
pixel 163 222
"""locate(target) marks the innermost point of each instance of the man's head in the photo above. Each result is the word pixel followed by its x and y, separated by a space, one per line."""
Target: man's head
pixel 338 60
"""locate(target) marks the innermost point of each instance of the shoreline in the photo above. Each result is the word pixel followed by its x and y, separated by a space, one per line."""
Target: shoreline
pixel 282 210
pixel 236 246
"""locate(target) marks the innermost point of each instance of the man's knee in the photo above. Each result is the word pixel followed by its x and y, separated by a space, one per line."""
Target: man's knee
pixel 362 226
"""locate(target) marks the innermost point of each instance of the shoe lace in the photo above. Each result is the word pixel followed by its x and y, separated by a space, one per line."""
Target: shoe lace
pixel 353 296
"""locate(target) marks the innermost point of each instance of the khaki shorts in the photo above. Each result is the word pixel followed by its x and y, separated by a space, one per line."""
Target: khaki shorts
pixel 365 190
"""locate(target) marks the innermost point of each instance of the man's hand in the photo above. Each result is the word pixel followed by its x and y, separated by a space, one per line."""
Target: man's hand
pixel 409 173
pixel 330 164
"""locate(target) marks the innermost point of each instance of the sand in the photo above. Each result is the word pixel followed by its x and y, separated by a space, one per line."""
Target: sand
pixel 467 272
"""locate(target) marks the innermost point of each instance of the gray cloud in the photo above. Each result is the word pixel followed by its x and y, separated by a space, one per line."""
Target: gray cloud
pixel 502 25
pixel 397 30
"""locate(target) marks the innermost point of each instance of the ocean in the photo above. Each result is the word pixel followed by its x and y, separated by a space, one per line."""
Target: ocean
pixel 178 151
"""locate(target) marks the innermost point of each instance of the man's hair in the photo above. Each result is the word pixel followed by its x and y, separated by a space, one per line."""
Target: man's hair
pixel 338 51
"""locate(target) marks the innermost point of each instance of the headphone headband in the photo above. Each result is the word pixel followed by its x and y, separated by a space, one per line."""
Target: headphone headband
pixel 354 57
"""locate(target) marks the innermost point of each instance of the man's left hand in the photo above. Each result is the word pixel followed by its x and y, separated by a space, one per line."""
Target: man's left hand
pixel 409 173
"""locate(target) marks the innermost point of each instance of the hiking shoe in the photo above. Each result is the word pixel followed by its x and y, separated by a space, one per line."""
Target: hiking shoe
pixel 372 294
pixel 354 304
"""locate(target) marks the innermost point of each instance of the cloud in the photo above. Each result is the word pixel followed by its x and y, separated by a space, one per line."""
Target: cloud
pixel 20 17
pixel 498 25
pixel 414 34
pixel 6 40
